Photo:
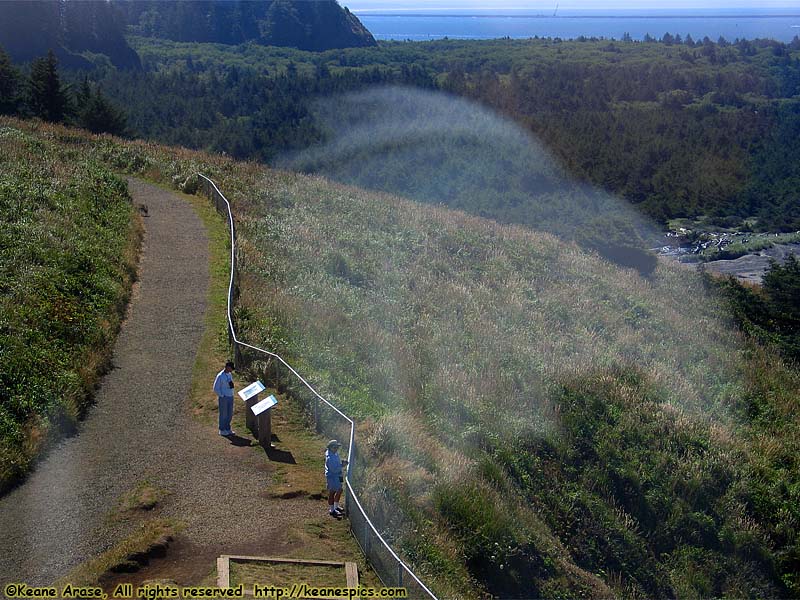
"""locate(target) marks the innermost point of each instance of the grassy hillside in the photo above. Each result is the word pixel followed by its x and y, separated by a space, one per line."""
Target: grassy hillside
pixel 547 423
pixel 69 244
pixel 533 421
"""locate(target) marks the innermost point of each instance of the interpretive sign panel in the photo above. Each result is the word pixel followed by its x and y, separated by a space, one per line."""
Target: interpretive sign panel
pixel 251 390
pixel 265 404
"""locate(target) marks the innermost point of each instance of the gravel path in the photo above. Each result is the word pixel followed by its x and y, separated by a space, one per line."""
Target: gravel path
pixel 140 429
pixel 55 520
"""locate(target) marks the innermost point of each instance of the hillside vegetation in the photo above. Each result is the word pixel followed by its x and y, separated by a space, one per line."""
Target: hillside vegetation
pixel 549 425
pixel 84 34
pixel 678 128
pixel 533 421
pixel 70 239
pixel 69 247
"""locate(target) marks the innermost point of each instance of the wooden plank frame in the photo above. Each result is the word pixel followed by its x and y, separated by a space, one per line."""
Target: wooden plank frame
pixel 224 567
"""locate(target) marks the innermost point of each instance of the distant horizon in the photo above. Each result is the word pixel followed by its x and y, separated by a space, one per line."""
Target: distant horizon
pixel 471 19
pixel 368 6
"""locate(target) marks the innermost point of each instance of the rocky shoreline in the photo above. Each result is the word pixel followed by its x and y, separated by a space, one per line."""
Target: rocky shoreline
pixel 751 267
pixel 743 255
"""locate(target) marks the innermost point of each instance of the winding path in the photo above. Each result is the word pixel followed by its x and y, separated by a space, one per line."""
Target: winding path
pixel 141 429
pixel 56 519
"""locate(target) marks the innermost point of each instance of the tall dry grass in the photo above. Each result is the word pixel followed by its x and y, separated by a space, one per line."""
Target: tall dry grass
pixel 455 338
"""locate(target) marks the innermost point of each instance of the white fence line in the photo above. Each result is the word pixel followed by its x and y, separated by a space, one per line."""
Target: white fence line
pixel 402 567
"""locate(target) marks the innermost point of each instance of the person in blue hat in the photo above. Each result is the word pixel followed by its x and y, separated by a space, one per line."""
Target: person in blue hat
pixel 334 478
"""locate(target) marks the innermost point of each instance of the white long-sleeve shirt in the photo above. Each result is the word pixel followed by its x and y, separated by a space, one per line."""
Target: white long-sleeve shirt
pixel 222 384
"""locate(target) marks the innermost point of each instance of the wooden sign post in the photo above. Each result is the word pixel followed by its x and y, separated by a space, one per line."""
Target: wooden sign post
pixel 262 413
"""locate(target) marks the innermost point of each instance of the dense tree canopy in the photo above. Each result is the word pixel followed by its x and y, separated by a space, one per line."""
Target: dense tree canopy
pixel 628 488
pixel 43 95
pixel 678 127
pixel 771 314
pixel 97 114
pixel 694 129
pixel 9 85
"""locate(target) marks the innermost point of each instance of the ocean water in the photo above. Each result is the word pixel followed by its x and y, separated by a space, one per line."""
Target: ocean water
pixel 419 25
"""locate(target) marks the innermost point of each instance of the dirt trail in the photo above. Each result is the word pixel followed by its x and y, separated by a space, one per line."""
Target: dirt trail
pixel 140 429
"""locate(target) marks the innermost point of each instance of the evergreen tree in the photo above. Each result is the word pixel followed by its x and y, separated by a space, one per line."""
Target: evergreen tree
pixel 782 285
pixel 771 316
pixel 84 94
pixel 98 114
pixel 9 85
pixel 317 25
pixel 47 98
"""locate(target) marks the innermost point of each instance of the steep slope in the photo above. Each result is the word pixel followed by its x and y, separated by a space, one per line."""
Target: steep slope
pixel 535 422
pixel 69 244
pixel 123 482
pixel 59 516
pixel 316 25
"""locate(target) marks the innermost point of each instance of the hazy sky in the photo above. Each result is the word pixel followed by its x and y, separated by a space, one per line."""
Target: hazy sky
pixel 545 5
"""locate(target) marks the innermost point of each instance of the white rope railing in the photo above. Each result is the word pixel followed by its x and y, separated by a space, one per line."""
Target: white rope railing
pixel 236 342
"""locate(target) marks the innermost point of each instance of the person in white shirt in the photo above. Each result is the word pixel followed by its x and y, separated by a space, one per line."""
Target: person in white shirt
pixel 223 388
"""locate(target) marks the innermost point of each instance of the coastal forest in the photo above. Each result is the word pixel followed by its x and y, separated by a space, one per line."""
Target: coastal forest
pixel 689 129
pixel 680 128
pixel 449 239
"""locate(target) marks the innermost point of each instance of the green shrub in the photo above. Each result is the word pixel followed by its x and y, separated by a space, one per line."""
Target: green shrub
pixel 68 243
pixel 498 550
